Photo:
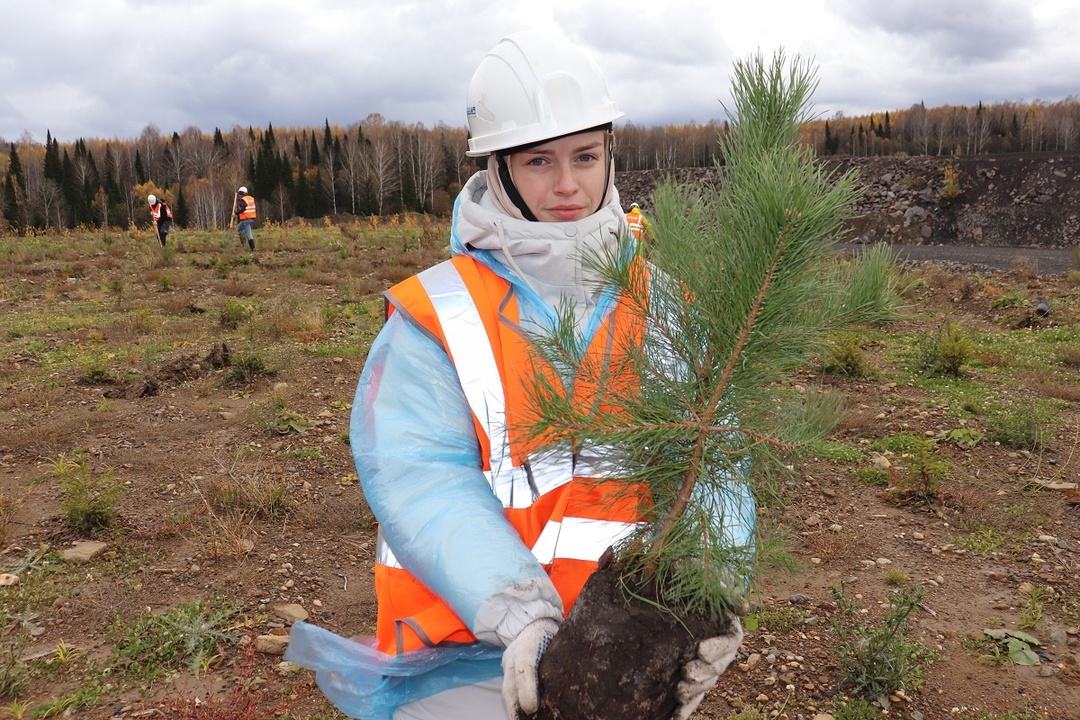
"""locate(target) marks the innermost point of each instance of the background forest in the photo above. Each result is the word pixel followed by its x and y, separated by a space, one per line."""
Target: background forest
pixel 376 167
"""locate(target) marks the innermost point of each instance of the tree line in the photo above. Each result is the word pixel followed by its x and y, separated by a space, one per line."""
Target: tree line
pixel 375 167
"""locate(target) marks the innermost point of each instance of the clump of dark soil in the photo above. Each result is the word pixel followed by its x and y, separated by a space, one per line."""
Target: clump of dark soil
pixel 616 658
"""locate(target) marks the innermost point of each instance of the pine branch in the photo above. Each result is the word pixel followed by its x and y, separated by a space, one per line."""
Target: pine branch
pixel 706 421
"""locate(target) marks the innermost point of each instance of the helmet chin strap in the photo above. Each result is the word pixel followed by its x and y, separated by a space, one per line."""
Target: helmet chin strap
pixel 519 202
pixel 511 189
pixel 607 171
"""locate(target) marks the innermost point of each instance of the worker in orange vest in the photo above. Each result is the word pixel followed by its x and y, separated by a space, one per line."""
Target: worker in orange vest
pixel 161 214
pixel 484 542
pixel 639 226
pixel 245 216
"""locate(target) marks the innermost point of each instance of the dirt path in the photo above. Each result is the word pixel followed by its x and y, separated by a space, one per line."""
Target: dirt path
pixel 1046 261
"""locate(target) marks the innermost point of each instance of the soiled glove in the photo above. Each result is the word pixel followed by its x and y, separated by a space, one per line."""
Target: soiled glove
pixel 701 674
pixel 520 662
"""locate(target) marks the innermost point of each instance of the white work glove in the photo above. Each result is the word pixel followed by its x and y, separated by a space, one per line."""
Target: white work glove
pixel 520 689
pixel 701 674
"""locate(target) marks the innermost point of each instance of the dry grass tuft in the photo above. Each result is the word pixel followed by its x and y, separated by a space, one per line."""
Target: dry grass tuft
pixel 1027 268
pixel 234 287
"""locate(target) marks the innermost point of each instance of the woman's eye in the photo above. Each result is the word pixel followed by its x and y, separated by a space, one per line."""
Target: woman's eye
pixel 535 162
pixel 587 157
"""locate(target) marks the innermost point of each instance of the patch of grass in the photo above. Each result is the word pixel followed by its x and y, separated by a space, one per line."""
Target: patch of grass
pixel 88 499
pixel 1067 608
pixel 856 710
pixel 872 476
pixel 264 497
pixel 88 695
pixel 985 542
pixel 8 506
pixel 246 369
pixel 835 452
pixel 303 453
pixel 184 636
pixel 96 375
pixel 879 658
pixel 1032 613
pixel 1011 299
pixel 747 714
pixel 986 650
pixel 235 313
pixel 1024 426
pixel 778 619
pixel 896 578
pixel 14 675
pixel 900 443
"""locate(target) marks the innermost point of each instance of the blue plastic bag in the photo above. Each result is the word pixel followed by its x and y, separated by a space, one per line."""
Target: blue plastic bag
pixel 364 682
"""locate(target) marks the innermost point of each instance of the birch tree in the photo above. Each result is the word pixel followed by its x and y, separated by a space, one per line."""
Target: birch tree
pixel 380 160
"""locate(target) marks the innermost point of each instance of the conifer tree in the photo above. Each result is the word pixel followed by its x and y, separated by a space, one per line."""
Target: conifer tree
pixel 52 169
pixel 182 210
pixel 743 291
pixel 15 169
pixel 140 172
pixel 314 158
pixel 11 202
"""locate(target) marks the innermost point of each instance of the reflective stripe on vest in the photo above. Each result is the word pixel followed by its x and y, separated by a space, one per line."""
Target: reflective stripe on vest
pixel 155 211
pixel 575 538
pixel 249 208
pixel 579 539
pixel 636 221
pixel 478 372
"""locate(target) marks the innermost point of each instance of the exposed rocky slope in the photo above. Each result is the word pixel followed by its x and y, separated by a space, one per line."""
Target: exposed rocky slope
pixel 1014 200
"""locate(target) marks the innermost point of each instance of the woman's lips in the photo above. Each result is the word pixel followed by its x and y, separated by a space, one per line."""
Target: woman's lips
pixel 566 212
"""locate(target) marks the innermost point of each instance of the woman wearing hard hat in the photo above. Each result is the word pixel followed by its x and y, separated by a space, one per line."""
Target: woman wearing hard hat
pixel 484 544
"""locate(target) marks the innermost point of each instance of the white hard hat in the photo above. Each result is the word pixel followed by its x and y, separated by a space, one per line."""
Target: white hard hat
pixel 533 87
pixel 242 189
pixel 151 199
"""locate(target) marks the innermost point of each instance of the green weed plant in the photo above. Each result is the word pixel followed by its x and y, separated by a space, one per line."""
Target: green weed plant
pixel 878 658
pixel 184 636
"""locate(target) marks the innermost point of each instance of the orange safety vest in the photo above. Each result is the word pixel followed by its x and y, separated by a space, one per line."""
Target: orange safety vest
pixel 636 221
pixel 249 208
pixel 155 210
pixel 567 508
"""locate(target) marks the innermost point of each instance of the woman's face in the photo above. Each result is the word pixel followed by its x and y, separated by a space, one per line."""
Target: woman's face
pixel 565 179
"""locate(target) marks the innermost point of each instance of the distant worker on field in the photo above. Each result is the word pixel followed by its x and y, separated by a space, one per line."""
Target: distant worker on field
pixel 161 214
pixel 639 226
pixel 245 215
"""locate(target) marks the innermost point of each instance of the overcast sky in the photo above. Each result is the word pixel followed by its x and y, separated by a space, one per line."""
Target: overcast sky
pixel 110 68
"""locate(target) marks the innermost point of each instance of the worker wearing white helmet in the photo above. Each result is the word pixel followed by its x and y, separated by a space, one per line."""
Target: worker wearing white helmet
pixel 161 214
pixel 244 211
pixel 484 545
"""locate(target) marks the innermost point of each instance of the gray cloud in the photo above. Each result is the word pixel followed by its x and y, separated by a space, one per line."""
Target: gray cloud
pixel 112 67
pixel 960 29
